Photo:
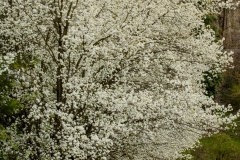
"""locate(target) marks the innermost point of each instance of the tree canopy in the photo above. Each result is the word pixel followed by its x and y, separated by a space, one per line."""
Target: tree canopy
pixel 111 79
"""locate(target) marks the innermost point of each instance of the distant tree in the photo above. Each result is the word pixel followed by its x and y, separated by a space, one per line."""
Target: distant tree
pixel 229 89
pixel 218 147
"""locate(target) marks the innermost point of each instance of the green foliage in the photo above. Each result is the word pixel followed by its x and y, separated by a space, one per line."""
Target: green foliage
pixel 235 94
pixel 230 88
pixel 7 104
pixel 212 82
pixel 217 147
pixel 211 20
pixel 25 60
pixel 4 136
pixel 8 107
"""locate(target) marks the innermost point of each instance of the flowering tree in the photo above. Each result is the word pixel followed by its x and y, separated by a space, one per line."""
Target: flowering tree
pixel 111 79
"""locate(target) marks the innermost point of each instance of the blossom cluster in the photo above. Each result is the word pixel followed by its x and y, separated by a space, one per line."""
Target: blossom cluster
pixel 111 79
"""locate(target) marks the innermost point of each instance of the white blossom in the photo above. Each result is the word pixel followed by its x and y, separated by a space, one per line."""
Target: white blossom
pixel 111 79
